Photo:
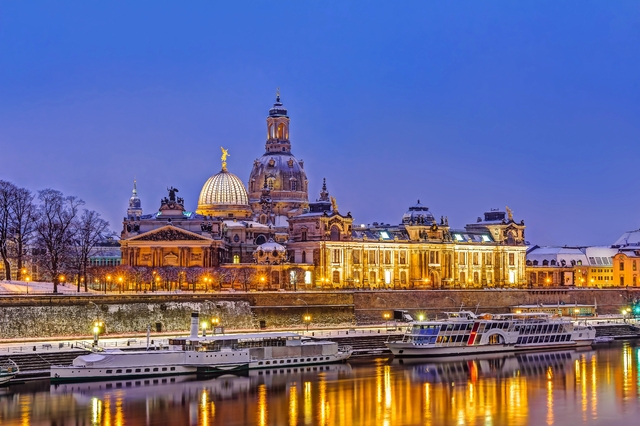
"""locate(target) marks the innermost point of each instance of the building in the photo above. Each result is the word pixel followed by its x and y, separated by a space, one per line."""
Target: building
pixel 273 228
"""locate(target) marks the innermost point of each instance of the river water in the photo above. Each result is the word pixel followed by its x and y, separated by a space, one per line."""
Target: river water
pixel 591 387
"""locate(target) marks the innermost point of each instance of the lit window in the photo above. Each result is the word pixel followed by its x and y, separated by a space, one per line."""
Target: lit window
pixel 236 258
pixel 384 234
pixel 307 277
pixel 486 238
pixel 458 237
pixel 387 277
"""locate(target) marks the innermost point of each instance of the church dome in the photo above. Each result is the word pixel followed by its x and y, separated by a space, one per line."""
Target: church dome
pixel 224 194
pixel 418 215
pixel 278 169
pixel 270 253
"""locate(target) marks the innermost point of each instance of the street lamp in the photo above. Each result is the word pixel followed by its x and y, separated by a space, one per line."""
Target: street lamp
pixel 386 317
pixel 27 280
pixel 203 325
pixel 108 282
pixel 120 284
pixel 307 319
pixel 215 321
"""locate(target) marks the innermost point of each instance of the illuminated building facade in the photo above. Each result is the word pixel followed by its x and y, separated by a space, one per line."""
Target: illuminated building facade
pixel 273 224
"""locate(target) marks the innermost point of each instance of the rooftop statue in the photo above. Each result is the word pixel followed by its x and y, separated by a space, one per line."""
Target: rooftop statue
pixel 509 213
pixel 225 154
pixel 334 204
pixel 172 193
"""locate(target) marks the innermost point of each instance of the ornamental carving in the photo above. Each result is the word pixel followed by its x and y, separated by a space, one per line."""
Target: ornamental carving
pixel 335 221
pixel 168 235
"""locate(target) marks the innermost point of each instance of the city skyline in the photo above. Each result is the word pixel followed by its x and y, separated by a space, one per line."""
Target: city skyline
pixel 466 108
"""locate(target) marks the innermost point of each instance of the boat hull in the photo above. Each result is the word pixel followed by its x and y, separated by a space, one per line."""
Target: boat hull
pixel 403 350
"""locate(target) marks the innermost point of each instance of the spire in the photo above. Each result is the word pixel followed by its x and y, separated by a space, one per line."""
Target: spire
pixel 324 194
pixel 135 188
pixel 135 205
pixel 278 95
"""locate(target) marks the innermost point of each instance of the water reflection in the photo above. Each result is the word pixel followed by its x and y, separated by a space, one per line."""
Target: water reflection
pixel 564 387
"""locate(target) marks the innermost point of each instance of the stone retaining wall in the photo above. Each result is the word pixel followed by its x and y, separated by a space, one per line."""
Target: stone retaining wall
pixel 43 316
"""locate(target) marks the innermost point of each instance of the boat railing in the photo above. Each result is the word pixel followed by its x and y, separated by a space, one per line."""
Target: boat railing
pixel 345 348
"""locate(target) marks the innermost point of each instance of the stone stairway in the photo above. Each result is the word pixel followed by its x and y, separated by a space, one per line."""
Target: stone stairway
pixel 38 364
pixel 365 345
pixel 617 331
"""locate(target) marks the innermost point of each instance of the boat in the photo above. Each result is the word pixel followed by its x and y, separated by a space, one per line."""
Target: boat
pixel 8 370
pixel 214 354
pixel 603 340
pixel 463 333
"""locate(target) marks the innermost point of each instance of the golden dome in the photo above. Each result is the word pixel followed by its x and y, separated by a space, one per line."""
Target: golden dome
pixel 223 194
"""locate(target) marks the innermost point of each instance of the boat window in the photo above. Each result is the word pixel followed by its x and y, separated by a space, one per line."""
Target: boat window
pixel 164 368
pixel 128 371
pixel 118 371
pixel 260 363
pixel 281 361
pixel 308 359
pixel 109 371
pixel 268 362
pixel 146 370
pixel 173 369
pixel 138 370
pixel 288 361
pixel 315 359
pixel 155 369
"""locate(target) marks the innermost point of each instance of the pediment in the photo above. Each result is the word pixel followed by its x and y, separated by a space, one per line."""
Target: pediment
pixel 169 233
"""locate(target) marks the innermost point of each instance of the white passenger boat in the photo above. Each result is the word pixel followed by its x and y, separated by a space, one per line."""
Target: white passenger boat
pixel 465 333
pixel 8 370
pixel 204 355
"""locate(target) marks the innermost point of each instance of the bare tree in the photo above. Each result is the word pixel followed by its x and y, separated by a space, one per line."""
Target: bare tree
pixel 56 215
pixel 23 225
pixel 88 230
pixel 7 194
pixel 247 276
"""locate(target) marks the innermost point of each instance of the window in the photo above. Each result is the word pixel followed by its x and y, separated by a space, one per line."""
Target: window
pixel 463 277
pixel 270 182
pixel 387 257
pixel 489 259
pixel 512 259
pixel 336 277
pixel 621 280
pixel 236 258
pixel 403 257
pixel 372 257
pixel 335 233
pixel 475 259
pixel 622 265
pixel 304 257
pixel 633 265
pixel 336 255
pixel 372 277
pixel 403 277
pixel 462 258
pixel 356 257
pixel 387 277
pixel 307 277
pixel 294 185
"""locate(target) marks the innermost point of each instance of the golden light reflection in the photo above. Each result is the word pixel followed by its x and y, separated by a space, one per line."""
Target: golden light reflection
pixel 594 387
pixel 549 399
pixel 25 410
pixel 324 405
pixel 293 405
pixel 119 420
pixel 262 405
pixel 583 387
pixel 308 404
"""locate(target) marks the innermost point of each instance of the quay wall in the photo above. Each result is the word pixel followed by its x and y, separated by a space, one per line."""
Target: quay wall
pixel 63 315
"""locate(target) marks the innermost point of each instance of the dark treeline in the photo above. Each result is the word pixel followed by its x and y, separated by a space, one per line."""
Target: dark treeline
pixel 49 229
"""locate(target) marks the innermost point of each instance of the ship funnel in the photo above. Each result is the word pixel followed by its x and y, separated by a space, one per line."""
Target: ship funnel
pixel 195 322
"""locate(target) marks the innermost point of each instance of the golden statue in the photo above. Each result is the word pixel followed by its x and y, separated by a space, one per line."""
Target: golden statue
pixel 509 213
pixel 225 154
pixel 334 204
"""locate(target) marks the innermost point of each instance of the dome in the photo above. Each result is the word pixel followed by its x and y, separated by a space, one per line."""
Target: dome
pixel 223 194
pixel 270 253
pixel 418 215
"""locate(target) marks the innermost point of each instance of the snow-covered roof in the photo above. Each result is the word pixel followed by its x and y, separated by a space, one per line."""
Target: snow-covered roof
pixel 629 238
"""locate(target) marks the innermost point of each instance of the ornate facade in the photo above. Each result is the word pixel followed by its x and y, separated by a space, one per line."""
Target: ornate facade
pixel 273 226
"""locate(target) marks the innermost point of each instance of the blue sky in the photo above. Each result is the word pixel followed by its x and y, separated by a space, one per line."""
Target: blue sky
pixel 466 106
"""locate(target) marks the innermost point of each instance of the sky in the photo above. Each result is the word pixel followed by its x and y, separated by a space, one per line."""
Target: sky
pixel 466 105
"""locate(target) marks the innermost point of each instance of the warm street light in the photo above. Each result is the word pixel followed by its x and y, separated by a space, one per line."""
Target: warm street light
pixel 386 317
pixel 27 280
pixel 203 325
pixel 215 321
pixel 108 282
pixel 420 317
pixel 307 319
pixel 120 283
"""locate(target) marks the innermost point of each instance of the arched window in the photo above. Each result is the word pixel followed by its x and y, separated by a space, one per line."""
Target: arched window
pixel 535 263
pixel 270 182
pixel 303 235
pixel 261 239
pixel 304 257
pixel 272 132
pixel 545 262
pixel 294 185
pixel 275 278
pixel 281 131
pixel 403 277
pixel 553 262
pixel 336 277
pixel 335 233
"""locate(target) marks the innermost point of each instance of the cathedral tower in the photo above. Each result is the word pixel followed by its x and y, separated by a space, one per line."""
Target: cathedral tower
pixel 135 205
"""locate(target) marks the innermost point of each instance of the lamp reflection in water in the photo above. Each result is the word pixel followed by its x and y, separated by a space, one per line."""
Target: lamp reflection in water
pixel 262 405
pixel 293 405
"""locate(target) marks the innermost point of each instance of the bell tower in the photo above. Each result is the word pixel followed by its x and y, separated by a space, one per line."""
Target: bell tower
pixel 135 206
pixel 278 128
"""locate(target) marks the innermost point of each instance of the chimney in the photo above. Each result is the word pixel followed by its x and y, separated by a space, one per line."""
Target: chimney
pixel 195 324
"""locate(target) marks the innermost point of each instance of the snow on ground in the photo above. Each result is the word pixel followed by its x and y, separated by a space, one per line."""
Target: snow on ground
pixel 20 287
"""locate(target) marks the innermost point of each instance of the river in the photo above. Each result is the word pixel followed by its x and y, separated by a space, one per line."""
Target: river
pixel 591 387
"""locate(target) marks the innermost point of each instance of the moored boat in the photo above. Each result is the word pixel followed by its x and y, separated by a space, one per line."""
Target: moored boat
pixel 8 370
pixel 204 355
pixel 463 333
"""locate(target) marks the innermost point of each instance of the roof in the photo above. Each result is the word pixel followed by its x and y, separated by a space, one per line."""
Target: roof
pixel 629 238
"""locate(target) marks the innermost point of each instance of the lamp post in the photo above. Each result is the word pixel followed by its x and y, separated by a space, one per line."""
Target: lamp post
pixel 120 284
pixel 61 280
pixel 215 321
pixel 108 283
pixel 27 280
pixel 386 317
pixel 307 319
pixel 203 325
pixel 96 331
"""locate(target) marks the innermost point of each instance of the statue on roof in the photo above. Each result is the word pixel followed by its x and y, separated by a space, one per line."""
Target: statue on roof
pixel 172 193
pixel 509 213
pixel 225 154
pixel 334 204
